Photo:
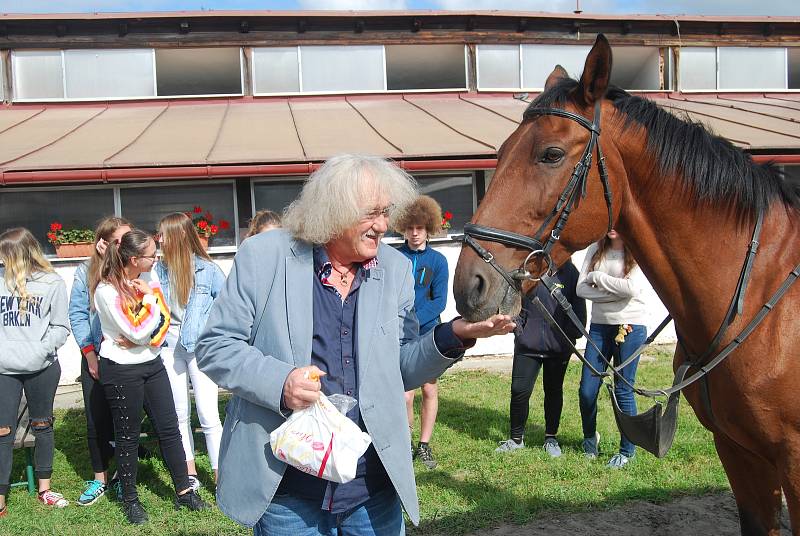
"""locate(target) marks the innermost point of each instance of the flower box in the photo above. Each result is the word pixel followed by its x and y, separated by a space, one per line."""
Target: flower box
pixel 82 249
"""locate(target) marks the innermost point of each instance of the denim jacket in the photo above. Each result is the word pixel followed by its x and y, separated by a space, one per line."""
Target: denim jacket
pixel 83 319
pixel 208 282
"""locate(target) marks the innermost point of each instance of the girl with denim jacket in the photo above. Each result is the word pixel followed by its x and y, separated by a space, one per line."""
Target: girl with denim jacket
pixel 190 281
pixel 88 334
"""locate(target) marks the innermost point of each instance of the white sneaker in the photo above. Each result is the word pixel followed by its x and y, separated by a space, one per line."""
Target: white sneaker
pixel 551 447
pixel 618 461
pixel 591 446
pixel 194 483
pixel 509 445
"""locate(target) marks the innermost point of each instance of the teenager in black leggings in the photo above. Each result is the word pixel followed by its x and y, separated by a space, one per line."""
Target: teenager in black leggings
pixel 537 345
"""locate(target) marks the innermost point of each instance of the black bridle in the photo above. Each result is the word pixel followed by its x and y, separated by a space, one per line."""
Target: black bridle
pixel 540 246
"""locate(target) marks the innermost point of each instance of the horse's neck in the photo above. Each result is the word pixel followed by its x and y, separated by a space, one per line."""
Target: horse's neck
pixel 693 255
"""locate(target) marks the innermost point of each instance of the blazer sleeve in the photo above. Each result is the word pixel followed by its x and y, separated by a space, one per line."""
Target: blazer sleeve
pixel 223 350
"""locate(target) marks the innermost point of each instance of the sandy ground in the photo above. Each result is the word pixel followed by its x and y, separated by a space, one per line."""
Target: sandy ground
pixel 688 516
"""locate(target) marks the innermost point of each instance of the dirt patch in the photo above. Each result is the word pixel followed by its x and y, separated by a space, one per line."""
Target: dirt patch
pixel 687 516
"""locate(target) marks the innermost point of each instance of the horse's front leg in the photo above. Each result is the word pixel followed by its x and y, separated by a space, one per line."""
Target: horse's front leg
pixel 755 484
pixel 790 480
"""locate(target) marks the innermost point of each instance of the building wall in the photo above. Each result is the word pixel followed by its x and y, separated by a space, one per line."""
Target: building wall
pixel 69 354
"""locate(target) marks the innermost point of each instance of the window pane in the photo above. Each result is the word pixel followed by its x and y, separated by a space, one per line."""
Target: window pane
pixel 538 61
pixel 38 74
pixel 425 67
pixel 37 209
pixel 109 73
pixel 198 71
pixel 752 68
pixel 276 195
pixel 498 66
pixel 636 68
pixel 794 68
pixel 146 206
pixel 342 68
pixel 792 174
pixel 454 194
pixel 697 68
pixel 275 70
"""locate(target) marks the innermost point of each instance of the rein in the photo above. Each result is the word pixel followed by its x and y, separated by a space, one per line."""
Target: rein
pixel 539 247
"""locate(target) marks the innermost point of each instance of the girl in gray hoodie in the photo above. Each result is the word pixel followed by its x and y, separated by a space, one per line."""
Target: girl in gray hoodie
pixel 33 325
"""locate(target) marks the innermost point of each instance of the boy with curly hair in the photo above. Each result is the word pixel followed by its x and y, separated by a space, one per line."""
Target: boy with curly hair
pixel 419 222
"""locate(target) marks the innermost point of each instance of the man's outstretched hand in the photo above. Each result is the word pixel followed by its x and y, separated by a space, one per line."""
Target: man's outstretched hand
pixel 494 325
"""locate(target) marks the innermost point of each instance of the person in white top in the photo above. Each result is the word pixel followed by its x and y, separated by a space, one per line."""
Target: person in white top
pixel 135 319
pixel 612 280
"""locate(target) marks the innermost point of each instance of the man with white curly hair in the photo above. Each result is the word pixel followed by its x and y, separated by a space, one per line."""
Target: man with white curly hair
pixel 325 297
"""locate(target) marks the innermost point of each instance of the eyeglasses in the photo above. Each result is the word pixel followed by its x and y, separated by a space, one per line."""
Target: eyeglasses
pixel 376 212
pixel 152 257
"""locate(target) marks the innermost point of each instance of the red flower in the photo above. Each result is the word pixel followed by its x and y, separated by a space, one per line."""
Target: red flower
pixel 214 229
pixel 51 236
pixel 208 216
pixel 202 224
pixel 224 224
pixel 197 210
pixel 448 215
pixel 55 226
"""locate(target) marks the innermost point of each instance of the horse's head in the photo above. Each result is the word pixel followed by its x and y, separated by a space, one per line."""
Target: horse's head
pixel 536 166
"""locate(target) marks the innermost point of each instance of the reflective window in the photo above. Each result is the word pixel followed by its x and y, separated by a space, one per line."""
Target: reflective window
pixel 37 209
pixel 454 194
pixel 275 70
pixel 276 195
pixel 538 61
pixel 498 67
pixel 793 63
pixel 342 68
pixel 425 67
pixel 752 68
pixel 198 71
pixel 146 205
pixel 697 68
pixel 38 74
pixel 109 73
pixel 636 68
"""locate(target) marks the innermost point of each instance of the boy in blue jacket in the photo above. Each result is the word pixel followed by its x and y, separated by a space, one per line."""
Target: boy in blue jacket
pixel 537 345
pixel 423 219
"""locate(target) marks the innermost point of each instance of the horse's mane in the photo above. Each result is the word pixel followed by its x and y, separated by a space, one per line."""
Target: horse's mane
pixel 712 169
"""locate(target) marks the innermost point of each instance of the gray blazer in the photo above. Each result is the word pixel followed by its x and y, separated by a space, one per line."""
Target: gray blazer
pixel 260 329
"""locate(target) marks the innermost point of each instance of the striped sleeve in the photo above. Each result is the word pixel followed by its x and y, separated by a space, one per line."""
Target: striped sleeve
pixel 147 323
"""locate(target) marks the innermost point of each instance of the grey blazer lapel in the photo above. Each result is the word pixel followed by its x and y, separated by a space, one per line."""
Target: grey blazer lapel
pixel 370 297
pixel 299 294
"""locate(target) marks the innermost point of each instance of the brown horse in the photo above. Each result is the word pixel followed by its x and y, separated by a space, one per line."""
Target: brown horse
pixel 685 202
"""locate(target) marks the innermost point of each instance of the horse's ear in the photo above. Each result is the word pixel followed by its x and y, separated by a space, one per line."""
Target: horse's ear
pixel 596 72
pixel 558 73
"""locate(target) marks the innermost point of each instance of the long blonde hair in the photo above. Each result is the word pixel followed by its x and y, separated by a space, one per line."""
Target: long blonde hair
pixel 179 242
pixel 22 256
pixel 105 228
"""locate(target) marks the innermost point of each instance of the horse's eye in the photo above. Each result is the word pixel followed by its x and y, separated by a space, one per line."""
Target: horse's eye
pixel 551 155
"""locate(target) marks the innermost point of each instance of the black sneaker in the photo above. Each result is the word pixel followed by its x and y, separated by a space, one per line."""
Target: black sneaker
pixel 426 456
pixel 134 511
pixel 190 500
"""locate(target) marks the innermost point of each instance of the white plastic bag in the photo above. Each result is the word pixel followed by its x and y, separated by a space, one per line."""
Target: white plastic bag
pixel 321 441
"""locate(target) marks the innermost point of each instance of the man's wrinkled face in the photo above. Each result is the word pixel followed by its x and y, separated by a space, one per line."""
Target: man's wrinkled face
pixel 360 242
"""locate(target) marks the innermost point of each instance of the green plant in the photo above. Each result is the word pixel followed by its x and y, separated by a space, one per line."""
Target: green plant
pixel 59 235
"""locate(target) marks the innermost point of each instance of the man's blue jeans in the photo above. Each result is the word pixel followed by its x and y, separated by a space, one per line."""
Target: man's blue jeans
pixel 603 336
pixel 381 515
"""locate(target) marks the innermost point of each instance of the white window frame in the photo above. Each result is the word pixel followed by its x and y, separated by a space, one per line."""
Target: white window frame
pixel 155 96
pixel 359 92
pixel 680 89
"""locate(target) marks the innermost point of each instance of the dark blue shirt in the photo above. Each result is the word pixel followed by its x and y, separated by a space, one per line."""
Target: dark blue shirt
pixel 333 350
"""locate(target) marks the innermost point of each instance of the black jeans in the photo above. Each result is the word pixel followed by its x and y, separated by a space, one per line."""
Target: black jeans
pixel 128 388
pixel 524 372
pixel 99 423
pixel 40 391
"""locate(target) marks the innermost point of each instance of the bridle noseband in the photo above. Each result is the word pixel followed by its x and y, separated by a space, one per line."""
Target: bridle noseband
pixel 540 246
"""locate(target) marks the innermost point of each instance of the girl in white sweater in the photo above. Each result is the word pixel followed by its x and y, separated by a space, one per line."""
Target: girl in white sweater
pixel 612 280
pixel 135 319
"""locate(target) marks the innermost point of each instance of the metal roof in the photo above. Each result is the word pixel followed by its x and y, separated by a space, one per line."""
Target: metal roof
pixel 311 129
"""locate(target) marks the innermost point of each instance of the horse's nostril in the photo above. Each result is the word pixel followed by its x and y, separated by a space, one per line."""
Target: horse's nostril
pixel 480 289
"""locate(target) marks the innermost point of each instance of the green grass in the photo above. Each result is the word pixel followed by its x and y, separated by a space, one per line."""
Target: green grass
pixel 472 488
